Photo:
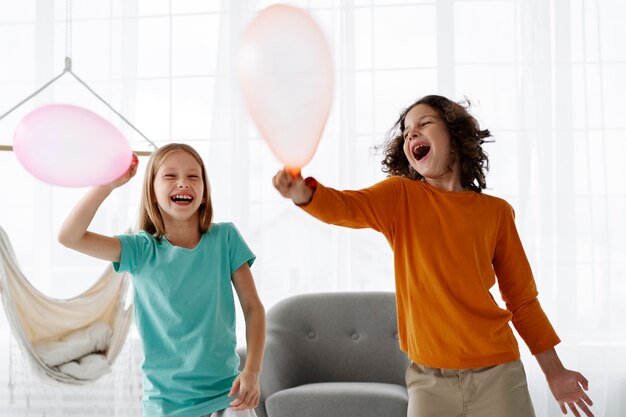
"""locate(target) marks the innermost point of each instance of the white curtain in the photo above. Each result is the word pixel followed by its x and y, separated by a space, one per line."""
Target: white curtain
pixel 545 76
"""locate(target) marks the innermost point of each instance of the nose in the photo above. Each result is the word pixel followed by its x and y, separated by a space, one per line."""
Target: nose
pixel 183 184
pixel 413 134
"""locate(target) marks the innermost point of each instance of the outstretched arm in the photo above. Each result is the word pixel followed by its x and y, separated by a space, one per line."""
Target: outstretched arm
pixel 373 207
pixel 568 387
pixel 247 383
pixel 74 233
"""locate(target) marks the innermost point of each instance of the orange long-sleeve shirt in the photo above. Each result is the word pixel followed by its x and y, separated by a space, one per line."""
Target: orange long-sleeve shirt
pixel 448 249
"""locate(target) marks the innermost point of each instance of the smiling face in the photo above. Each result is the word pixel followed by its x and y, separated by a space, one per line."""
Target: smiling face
pixel 427 146
pixel 179 187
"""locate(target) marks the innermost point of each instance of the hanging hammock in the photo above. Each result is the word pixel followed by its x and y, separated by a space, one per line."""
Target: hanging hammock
pixel 48 328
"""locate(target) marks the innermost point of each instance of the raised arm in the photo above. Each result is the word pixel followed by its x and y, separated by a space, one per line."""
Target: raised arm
pixel 73 232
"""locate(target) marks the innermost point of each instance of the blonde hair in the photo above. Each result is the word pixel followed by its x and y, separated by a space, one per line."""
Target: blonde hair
pixel 150 218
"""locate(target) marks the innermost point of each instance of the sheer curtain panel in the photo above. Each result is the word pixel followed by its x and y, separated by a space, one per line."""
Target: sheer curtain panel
pixel 545 76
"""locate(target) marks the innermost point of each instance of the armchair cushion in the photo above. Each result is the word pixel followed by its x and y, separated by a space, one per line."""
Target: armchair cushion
pixel 339 399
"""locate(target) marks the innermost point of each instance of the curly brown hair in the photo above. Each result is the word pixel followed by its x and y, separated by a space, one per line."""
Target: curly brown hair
pixel 465 135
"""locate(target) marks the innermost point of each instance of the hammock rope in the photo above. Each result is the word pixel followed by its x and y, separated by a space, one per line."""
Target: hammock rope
pixel 35 317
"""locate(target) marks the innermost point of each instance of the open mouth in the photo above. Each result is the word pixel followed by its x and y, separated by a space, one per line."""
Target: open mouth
pixel 182 199
pixel 421 151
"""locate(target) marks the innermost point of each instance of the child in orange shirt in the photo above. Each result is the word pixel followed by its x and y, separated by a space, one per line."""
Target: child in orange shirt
pixel 451 243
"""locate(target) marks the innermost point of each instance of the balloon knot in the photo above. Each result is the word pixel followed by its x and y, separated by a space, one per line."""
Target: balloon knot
pixel 294 172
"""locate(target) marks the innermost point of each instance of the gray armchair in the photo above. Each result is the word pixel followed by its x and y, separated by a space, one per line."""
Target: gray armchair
pixel 333 355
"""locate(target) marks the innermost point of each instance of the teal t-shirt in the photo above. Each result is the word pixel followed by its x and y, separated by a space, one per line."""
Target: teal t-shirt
pixel 185 314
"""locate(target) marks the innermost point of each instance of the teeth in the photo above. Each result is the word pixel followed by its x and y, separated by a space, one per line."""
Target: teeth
pixel 182 197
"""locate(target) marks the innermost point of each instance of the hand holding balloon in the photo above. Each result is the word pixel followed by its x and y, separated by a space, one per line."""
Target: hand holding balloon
pixel 132 170
pixel 292 186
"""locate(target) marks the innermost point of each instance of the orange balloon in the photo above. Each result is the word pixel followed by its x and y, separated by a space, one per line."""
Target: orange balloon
pixel 286 77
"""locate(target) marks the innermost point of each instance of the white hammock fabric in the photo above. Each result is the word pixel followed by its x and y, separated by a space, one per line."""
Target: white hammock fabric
pixel 35 318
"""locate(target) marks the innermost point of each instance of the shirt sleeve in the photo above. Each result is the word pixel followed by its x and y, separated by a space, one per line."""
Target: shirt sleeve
pixel 373 207
pixel 518 288
pixel 238 249
pixel 133 248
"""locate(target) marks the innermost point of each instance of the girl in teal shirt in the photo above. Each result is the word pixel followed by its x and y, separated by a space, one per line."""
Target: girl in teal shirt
pixel 182 266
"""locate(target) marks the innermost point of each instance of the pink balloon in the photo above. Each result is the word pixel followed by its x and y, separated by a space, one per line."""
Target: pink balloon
pixel 70 146
pixel 286 76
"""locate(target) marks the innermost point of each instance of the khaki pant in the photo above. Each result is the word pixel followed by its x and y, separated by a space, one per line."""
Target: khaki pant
pixel 494 391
